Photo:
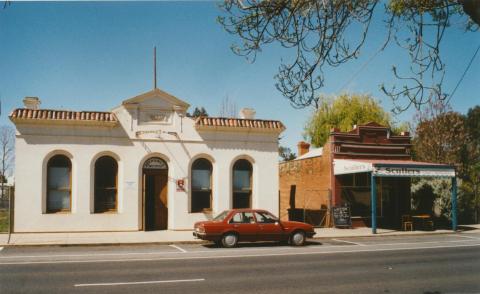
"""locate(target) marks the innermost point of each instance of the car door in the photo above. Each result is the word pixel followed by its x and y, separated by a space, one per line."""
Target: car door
pixel 244 223
pixel 269 228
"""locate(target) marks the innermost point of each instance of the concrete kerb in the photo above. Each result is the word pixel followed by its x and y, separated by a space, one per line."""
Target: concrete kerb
pixel 103 244
pixel 386 235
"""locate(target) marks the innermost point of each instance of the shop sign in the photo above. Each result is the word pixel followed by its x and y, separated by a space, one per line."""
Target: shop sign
pixel 341 216
pixel 413 172
pixel 342 167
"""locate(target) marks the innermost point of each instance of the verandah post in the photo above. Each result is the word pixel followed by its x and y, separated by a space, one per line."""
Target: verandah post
pixel 374 203
pixel 454 203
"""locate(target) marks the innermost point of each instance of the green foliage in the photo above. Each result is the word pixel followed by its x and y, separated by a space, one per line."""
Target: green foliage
pixel 286 153
pixel 198 111
pixel 401 127
pixel 433 196
pixel 445 136
pixel 400 7
pixel 343 112
pixel 3 221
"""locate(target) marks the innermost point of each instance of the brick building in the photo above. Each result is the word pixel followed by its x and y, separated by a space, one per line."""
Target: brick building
pixel 341 173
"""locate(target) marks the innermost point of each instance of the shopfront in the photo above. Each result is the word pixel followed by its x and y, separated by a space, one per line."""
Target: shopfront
pixel 379 191
pixel 368 169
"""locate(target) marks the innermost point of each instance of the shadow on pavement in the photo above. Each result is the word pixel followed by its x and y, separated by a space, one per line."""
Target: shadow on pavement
pixel 263 244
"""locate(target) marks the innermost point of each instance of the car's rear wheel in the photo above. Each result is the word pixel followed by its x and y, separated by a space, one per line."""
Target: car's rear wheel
pixel 229 240
pixel 298 238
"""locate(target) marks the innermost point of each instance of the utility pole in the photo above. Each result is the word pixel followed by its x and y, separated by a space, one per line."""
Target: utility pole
pixel 155 67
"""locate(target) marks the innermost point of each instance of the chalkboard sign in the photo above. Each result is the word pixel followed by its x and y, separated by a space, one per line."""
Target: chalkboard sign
pixel 341 216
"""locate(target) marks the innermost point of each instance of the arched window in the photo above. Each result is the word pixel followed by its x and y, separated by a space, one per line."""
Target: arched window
pixel 201 185
pixel 242 184
pixel 106 172
pixel 59 184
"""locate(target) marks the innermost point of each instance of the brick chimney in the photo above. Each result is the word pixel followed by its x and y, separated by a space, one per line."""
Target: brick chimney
pixel 303 147
pixel 247 113
pixel 31 103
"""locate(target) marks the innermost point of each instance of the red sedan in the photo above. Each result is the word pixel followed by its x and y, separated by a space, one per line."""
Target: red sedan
pixel 238 225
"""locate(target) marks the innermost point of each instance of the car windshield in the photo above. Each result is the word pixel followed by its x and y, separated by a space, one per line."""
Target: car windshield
pixel 221 216
pixel 265 217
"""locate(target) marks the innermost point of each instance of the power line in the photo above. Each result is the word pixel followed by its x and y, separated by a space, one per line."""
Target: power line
pixel 464 73
pixel 354 76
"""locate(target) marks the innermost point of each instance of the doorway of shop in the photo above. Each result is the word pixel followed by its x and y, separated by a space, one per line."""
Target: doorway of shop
pixel 155 194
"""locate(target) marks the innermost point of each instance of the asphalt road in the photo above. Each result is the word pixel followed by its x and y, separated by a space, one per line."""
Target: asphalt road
pixel 420 264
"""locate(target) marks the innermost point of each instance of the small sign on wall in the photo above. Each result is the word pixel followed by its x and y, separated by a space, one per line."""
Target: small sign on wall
pixel 130 185
pixel 180 185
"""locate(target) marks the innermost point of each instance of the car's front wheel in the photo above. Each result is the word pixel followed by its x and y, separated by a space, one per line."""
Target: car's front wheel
pixel 229 240
pixel 298 238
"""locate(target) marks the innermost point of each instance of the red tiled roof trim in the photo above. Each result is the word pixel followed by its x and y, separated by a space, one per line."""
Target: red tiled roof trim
pixel 48 114
pixel 239 123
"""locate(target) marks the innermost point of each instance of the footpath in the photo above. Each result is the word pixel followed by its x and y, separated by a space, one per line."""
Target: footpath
pixel 171 237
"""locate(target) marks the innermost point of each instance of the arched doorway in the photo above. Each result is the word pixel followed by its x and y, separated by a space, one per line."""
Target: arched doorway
pixel 155 194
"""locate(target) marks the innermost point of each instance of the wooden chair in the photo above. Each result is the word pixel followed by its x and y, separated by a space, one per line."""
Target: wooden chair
pixel 407 223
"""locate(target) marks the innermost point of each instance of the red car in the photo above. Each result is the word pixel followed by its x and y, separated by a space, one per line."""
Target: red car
pixel 238 225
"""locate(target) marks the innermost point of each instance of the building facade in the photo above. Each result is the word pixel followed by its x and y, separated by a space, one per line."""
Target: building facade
pixel 368 169
pixel 145 165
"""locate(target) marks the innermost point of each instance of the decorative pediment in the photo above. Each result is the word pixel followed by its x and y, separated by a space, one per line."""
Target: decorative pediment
pixel 157 99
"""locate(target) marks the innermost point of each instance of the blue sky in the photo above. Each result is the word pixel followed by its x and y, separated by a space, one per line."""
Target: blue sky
pixel 93 55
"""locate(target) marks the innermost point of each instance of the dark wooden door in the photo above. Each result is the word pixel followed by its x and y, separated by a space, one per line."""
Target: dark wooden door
pixel 156 200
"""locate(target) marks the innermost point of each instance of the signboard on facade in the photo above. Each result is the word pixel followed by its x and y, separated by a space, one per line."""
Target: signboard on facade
pixel 401 171
pixel 343 166
pixel 155 163
pixel 155 116
pixel 180 185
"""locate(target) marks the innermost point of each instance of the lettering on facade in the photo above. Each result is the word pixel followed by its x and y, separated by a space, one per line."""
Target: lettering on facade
pixel 413 172
pixel 156 116
pixel 355 167
pixel 160 117
pixel 348 167
pixel 155 163
pixel 130 185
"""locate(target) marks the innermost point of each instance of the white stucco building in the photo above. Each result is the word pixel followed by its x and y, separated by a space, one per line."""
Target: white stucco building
pixel 143 166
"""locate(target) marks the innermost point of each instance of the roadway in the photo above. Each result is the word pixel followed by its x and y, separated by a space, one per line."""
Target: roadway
pixel 447 263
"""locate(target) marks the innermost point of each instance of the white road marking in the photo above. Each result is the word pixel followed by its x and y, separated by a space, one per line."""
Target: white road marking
pixel 223 250
pixel 142 253
pixel 427 242
pixel 242 256
pixel 138 283
pixel 469 237
pixel 349 242
pixel 178 247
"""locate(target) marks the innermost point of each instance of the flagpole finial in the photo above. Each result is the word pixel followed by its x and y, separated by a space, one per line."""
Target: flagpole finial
pixel 154 67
